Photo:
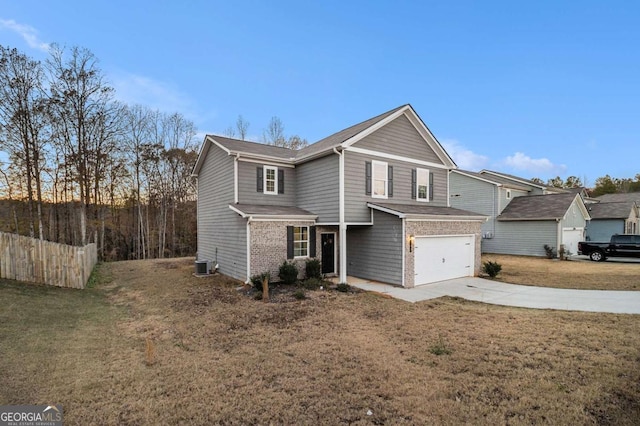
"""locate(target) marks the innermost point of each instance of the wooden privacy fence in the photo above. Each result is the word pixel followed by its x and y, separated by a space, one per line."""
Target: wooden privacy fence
pixel 44 262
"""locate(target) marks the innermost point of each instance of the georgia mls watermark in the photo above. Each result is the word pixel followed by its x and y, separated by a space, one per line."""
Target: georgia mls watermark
pixel 31 415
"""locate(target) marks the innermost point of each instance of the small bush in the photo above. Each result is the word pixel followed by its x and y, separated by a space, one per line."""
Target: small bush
pixel 256 280
pixel 491 268
pixel 549 252
pixel 440 348
pixel 300 294
pixel 312 283
pixel 288 272
pixel 343 287
pixel 313 269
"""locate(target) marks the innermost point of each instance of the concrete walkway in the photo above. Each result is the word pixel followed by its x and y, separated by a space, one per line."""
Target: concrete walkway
pixel 497 293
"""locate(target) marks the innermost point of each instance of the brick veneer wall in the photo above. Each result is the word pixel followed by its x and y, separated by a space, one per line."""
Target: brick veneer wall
pixel 438 228
pixel 268 247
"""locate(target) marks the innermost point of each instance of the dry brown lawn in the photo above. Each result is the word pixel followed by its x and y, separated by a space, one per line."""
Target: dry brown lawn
pixel 218 356
pixel 579 274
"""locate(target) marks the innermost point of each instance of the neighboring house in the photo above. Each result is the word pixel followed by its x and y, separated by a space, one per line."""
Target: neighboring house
pixel 534 188
pixel 370 201
pixel 609 218
pixel 538 220
pixel 550 221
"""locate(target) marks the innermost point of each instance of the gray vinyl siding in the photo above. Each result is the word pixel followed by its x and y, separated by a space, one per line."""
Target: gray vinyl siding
pixel 399 137
pixel 221 232
pixel 356 209
pixel 318 188
pixel 522 237
pixel 247 193
pixel 375 252
pixel 574 217
pixel 504 201
pixel 475 196
pixel 601 230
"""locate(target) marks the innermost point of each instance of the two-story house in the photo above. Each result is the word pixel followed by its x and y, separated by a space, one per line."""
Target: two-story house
pixel 370 201
pixel 523 215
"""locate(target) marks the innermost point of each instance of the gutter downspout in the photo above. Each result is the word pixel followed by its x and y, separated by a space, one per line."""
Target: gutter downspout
pixel 248 250
pixel 342 225
pixel 235 178
pixel 558 236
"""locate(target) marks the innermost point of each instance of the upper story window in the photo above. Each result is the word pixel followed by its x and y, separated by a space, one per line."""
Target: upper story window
pixel 422 184
pixel 270 180
pixel 380 179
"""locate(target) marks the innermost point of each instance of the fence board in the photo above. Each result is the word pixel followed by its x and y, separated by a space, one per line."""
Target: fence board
pixel 44 262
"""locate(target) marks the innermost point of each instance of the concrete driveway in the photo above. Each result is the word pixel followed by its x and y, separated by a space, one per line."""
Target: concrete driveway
pixel 497 293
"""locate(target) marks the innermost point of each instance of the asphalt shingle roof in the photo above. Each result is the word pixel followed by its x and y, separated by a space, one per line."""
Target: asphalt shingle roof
pixel 491 178
pixel 426 210
pixel 261 210
pixel 323 145
pixel 615 210
pixel 615 198
pixel 256 148
pixel 507 178
pixel 538 207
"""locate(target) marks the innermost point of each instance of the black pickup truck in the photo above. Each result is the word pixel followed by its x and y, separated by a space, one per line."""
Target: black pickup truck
pixel 625 245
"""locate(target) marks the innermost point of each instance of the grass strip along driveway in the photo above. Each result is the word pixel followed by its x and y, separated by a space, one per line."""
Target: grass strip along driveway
pixel 151 344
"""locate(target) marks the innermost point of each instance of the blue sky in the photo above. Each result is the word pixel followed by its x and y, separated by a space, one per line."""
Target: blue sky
pixel 538 89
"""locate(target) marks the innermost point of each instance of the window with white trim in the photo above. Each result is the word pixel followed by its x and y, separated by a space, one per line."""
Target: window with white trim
pixel 301 241
pixel 422 184
pixel 379 178
pixel 270 180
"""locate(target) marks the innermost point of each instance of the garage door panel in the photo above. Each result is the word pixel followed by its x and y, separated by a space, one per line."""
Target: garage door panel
pixel 443 257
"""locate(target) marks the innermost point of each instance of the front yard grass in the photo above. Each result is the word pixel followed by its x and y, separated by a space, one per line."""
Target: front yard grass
pixel 578 274
pixel 221 357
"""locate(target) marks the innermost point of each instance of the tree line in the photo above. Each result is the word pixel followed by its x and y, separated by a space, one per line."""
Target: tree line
pixel 603 185
pixel 84 167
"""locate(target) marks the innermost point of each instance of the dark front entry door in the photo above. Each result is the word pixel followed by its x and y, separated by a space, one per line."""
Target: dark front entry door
pixel 328 253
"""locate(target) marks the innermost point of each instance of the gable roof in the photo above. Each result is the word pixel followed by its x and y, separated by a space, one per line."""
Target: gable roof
pixel 505 178
pixel 338 140
pixel 491 179
pixel 613 210
pixel 334 140
pixel 626 196
pixel 541 207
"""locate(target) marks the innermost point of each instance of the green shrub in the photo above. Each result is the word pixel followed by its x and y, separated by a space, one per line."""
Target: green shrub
pixel 300 294
pixel 440 348
pixel 343 287
pixel 288 272
pixel 491 268
pixel 313 269
pixel 312 283
pixel 549 252
pixel 256 280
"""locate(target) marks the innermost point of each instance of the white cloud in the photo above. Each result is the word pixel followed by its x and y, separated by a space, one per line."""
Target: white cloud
pixel 27 32
pixel 137 89
pixel 522 162
pixel 463 157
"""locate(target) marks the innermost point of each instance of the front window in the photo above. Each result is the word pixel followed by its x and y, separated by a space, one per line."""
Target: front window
pixel 270 180
pixel 301 241
pixel 422 184
pixel 379 179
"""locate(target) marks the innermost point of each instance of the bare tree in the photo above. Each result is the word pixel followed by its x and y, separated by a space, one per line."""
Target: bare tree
pixel 243 126
pixel 230 132
pixel 274 134
pixel 80 99
pixel 23 124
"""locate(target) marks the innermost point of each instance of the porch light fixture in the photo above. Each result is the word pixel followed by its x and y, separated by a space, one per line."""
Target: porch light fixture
pixel 412 241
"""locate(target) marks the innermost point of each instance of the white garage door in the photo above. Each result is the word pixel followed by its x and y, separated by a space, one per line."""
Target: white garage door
pixel 443 258
pixel 570 238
